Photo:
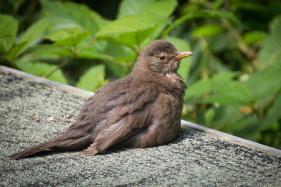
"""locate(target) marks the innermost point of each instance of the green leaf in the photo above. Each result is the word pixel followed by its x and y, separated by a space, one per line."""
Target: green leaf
pixel 120 53
pixel 271 50
pixel 204 87
pixel 30 37
pixel 41 69
pixel 196 90
pixel 14 51
pixel 92 79
pixel 80 14
pixel 154 35
pixel 229 93
pixel 182 45
pixel 226 118
pixel 129 30
pixel 138 19
pixel 221 89
pixel 94 49
pixel 207 30
pixel 106 51
pixel 273 114
pixel 45 52
pixel 230 119
pixel 132 7
pixel 8 31
pixel 62 29
pixel 226 91
pixel 69 37
pixel 118 70
pixel 247 127
pixel 266 82
pixel 253 37
pixel 117 57
pixel 209 116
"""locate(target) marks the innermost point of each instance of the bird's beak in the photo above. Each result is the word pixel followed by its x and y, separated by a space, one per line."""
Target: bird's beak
pixel 184 54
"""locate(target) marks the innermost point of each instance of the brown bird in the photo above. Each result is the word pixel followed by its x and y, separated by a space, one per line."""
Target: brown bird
pixel 142 109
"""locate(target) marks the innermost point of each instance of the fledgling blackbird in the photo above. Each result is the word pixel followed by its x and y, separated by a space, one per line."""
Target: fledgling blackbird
pixel 142 109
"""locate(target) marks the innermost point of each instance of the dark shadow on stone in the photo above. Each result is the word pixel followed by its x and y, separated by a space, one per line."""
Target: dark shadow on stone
pixel 183 134
pixel 189 133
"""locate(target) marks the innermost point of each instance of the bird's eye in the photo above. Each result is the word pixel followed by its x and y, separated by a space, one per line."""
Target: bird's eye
pixel 162 57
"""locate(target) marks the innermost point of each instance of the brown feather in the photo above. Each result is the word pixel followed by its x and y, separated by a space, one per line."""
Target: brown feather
pixel 140 110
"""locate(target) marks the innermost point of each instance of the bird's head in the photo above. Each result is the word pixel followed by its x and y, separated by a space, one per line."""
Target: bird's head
pixel 161 57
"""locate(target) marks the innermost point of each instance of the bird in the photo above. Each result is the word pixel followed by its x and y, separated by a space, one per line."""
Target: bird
pixel 140 110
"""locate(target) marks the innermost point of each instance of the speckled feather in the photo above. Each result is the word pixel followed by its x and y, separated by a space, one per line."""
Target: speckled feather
pixel 140 110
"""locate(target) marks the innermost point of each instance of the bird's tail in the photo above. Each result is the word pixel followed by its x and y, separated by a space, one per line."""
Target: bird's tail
pixel 69 141
pixel 32 151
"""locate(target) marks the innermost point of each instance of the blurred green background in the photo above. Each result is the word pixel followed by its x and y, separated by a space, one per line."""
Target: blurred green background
pixel 233 78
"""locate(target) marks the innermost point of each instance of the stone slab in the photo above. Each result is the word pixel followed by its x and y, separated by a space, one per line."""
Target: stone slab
pixel 33 110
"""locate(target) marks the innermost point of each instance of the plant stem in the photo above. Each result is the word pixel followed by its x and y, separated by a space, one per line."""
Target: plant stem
pixel 46 75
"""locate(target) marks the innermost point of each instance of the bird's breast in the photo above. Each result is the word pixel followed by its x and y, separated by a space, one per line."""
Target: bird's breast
pixel 173 83
pixel 172 77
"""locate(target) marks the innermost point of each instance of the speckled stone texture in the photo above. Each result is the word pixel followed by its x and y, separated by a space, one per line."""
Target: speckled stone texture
pixel 32 112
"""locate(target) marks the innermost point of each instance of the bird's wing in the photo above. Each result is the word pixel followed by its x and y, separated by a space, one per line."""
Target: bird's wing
pixel 129 114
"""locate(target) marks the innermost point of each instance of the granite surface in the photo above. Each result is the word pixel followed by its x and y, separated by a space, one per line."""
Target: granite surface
pixel 32 111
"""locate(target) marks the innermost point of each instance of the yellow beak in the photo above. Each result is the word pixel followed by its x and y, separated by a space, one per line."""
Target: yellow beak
pixel 184 54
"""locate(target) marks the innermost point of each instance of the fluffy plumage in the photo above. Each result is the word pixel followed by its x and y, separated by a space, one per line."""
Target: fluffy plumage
pixel 140 110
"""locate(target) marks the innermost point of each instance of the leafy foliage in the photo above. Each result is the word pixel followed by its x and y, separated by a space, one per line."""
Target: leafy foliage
pixel 93 78
pixel 233 80
pixel 8 30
